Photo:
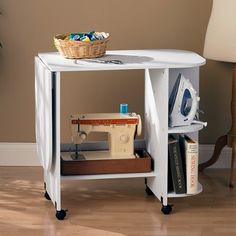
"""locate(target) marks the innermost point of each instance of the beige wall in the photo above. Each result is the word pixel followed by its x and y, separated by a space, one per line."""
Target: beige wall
pixel 28 26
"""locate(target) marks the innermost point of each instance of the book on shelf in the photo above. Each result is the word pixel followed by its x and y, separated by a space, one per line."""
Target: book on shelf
pixel 170 182
pixel 176 166
pixel 189 149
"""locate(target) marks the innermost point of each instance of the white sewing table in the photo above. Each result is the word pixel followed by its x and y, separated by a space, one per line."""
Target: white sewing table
pixel 161 70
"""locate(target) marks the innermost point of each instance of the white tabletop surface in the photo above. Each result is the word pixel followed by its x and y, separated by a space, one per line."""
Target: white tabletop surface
pixel 132 59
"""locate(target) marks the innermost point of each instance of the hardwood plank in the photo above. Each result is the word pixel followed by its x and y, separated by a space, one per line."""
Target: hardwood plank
pixel 115 207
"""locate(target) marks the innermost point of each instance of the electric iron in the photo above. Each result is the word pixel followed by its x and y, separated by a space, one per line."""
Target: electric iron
pixel 183 103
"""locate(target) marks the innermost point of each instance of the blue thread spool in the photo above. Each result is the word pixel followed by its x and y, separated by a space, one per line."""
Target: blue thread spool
pixel 123 108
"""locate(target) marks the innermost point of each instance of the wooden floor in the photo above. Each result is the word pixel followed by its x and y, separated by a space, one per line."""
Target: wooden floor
pixel 113 207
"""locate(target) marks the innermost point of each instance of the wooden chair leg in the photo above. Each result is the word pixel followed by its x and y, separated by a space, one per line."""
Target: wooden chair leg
pixel 232 132
pixel 220 143
pixel 230 138
pixel 232 170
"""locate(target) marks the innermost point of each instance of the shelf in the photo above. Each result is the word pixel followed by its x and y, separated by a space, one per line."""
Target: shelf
pixel 109 176
pixel 173 194
pixel 185 129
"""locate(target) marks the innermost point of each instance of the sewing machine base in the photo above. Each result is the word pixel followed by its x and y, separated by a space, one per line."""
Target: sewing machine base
pixel 93 155
pixel 81 166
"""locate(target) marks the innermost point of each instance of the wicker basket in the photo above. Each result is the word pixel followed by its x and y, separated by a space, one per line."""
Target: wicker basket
pixel 77 49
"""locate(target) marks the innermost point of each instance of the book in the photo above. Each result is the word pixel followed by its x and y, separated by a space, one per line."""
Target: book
pixel 190 152
pixel 176 165
pixel 170 182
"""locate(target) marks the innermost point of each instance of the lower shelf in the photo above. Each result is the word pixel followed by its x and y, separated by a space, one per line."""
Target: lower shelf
pixel 100 162
pixel 173 194
pixel 109 176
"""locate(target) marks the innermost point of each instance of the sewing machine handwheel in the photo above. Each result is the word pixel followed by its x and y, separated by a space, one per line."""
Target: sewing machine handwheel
pixel 166 210
pixel 61 214
pixel 139 128
pixel 46 195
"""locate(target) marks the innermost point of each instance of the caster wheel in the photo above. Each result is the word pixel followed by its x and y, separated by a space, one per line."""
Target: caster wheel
pixel 166 210
pixel 61 214
pixel 148 191
pixel 47 196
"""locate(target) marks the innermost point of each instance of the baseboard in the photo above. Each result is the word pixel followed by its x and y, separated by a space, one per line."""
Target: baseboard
pixel 18 154
pixel 24 154
pixel 206 151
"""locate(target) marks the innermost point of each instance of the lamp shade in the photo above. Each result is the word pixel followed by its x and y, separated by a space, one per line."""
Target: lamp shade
pixel 220 40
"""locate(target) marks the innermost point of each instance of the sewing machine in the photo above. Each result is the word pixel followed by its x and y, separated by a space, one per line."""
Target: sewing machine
pixel 121 129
